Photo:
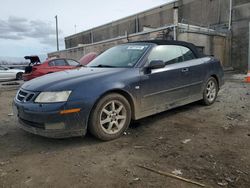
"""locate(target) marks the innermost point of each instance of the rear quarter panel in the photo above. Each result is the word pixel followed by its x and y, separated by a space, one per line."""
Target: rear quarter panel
pixel 214 68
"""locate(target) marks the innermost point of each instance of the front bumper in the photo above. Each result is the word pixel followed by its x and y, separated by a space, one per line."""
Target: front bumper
pixel 63 133
pixel 45 120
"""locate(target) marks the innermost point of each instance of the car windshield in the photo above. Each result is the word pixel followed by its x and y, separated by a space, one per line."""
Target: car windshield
pixel 126 55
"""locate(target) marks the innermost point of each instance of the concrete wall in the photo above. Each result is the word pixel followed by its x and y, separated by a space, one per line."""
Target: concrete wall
pixel 240 35
pixel 77 52
pixel 157 17
pixel 206 13
pixel 195 12
pixel 213 44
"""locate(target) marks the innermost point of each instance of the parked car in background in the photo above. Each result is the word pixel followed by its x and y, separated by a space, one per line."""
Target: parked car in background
pixel 36 68
pixel 19 67
pixel 128 81
pixel 10 74
pixel 86 59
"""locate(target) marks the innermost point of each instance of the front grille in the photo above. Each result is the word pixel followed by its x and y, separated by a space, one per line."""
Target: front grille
pixel 30 97
pixel 24 96
pixel 32 124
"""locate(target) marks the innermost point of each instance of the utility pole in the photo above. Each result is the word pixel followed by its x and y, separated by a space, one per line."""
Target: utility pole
pixel 57 42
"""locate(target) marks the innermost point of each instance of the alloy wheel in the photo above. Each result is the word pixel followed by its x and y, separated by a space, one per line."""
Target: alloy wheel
pixel 113 117
pixel 211 91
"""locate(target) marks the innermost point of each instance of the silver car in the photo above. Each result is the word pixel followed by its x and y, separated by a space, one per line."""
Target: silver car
pixel 10 74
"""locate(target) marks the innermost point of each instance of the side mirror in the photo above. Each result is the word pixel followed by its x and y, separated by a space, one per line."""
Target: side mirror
pixel 156 64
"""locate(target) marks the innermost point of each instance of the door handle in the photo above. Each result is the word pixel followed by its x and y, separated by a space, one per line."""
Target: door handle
pixel 184 70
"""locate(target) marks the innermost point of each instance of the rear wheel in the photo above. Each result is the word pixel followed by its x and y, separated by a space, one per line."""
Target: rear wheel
pixel 210 91
pixel 110 117
pixel 19 76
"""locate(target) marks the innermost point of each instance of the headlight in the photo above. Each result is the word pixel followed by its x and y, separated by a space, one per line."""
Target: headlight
pixel 51 97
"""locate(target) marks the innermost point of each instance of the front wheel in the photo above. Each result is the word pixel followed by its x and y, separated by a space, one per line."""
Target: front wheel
pixel 110 117
pixel 210 91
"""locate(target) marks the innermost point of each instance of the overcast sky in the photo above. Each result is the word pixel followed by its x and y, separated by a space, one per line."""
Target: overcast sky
pixel 28 26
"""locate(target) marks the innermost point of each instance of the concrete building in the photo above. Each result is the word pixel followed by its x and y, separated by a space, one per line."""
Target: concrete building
pixel 218 27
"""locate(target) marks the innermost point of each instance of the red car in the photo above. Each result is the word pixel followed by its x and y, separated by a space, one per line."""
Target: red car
pixel 88 58
pixel 36 68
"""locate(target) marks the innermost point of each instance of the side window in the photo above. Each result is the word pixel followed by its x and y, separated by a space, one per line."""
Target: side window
pixel 187 53
pixel 2 68
pixel 51 63
pixel 167 53
pixel 72 62
pixel 60 62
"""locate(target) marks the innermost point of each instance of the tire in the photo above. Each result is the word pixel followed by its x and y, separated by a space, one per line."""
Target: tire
pixel 210 91
pixel 19 76
pixel 110 117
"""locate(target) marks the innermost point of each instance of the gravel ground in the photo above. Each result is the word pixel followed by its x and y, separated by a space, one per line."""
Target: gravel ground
pixel 208 144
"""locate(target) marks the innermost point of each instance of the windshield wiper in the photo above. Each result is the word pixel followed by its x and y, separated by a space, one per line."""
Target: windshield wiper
pixel 102 65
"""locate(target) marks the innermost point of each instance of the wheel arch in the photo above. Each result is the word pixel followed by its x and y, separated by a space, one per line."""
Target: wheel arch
pixel 216 78
pixel 124 94
pixel 118 91
pixel 18 73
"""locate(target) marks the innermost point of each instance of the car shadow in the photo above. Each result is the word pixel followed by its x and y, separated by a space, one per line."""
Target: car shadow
pixel 88 139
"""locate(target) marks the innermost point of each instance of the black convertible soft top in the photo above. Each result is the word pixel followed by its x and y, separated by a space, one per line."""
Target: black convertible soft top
pixel 191 46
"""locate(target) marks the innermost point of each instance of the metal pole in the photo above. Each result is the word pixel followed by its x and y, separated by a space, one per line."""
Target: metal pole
pixel 218 16
pixel 230 14
pixel 175 33
pixel 176 20
pixel 136 24
pixel 126 34
pixel 249 48
pixel 92 37
pixel 57 42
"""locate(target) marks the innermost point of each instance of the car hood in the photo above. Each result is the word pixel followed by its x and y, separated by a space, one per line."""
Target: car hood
pixel 69 79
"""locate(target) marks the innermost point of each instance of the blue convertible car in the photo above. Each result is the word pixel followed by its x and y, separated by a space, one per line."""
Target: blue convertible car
pixel 128 81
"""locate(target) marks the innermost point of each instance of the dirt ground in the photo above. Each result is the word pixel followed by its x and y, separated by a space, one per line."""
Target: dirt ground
pixel 210 145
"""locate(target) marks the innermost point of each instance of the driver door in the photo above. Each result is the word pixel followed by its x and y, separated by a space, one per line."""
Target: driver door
pixel 163 88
